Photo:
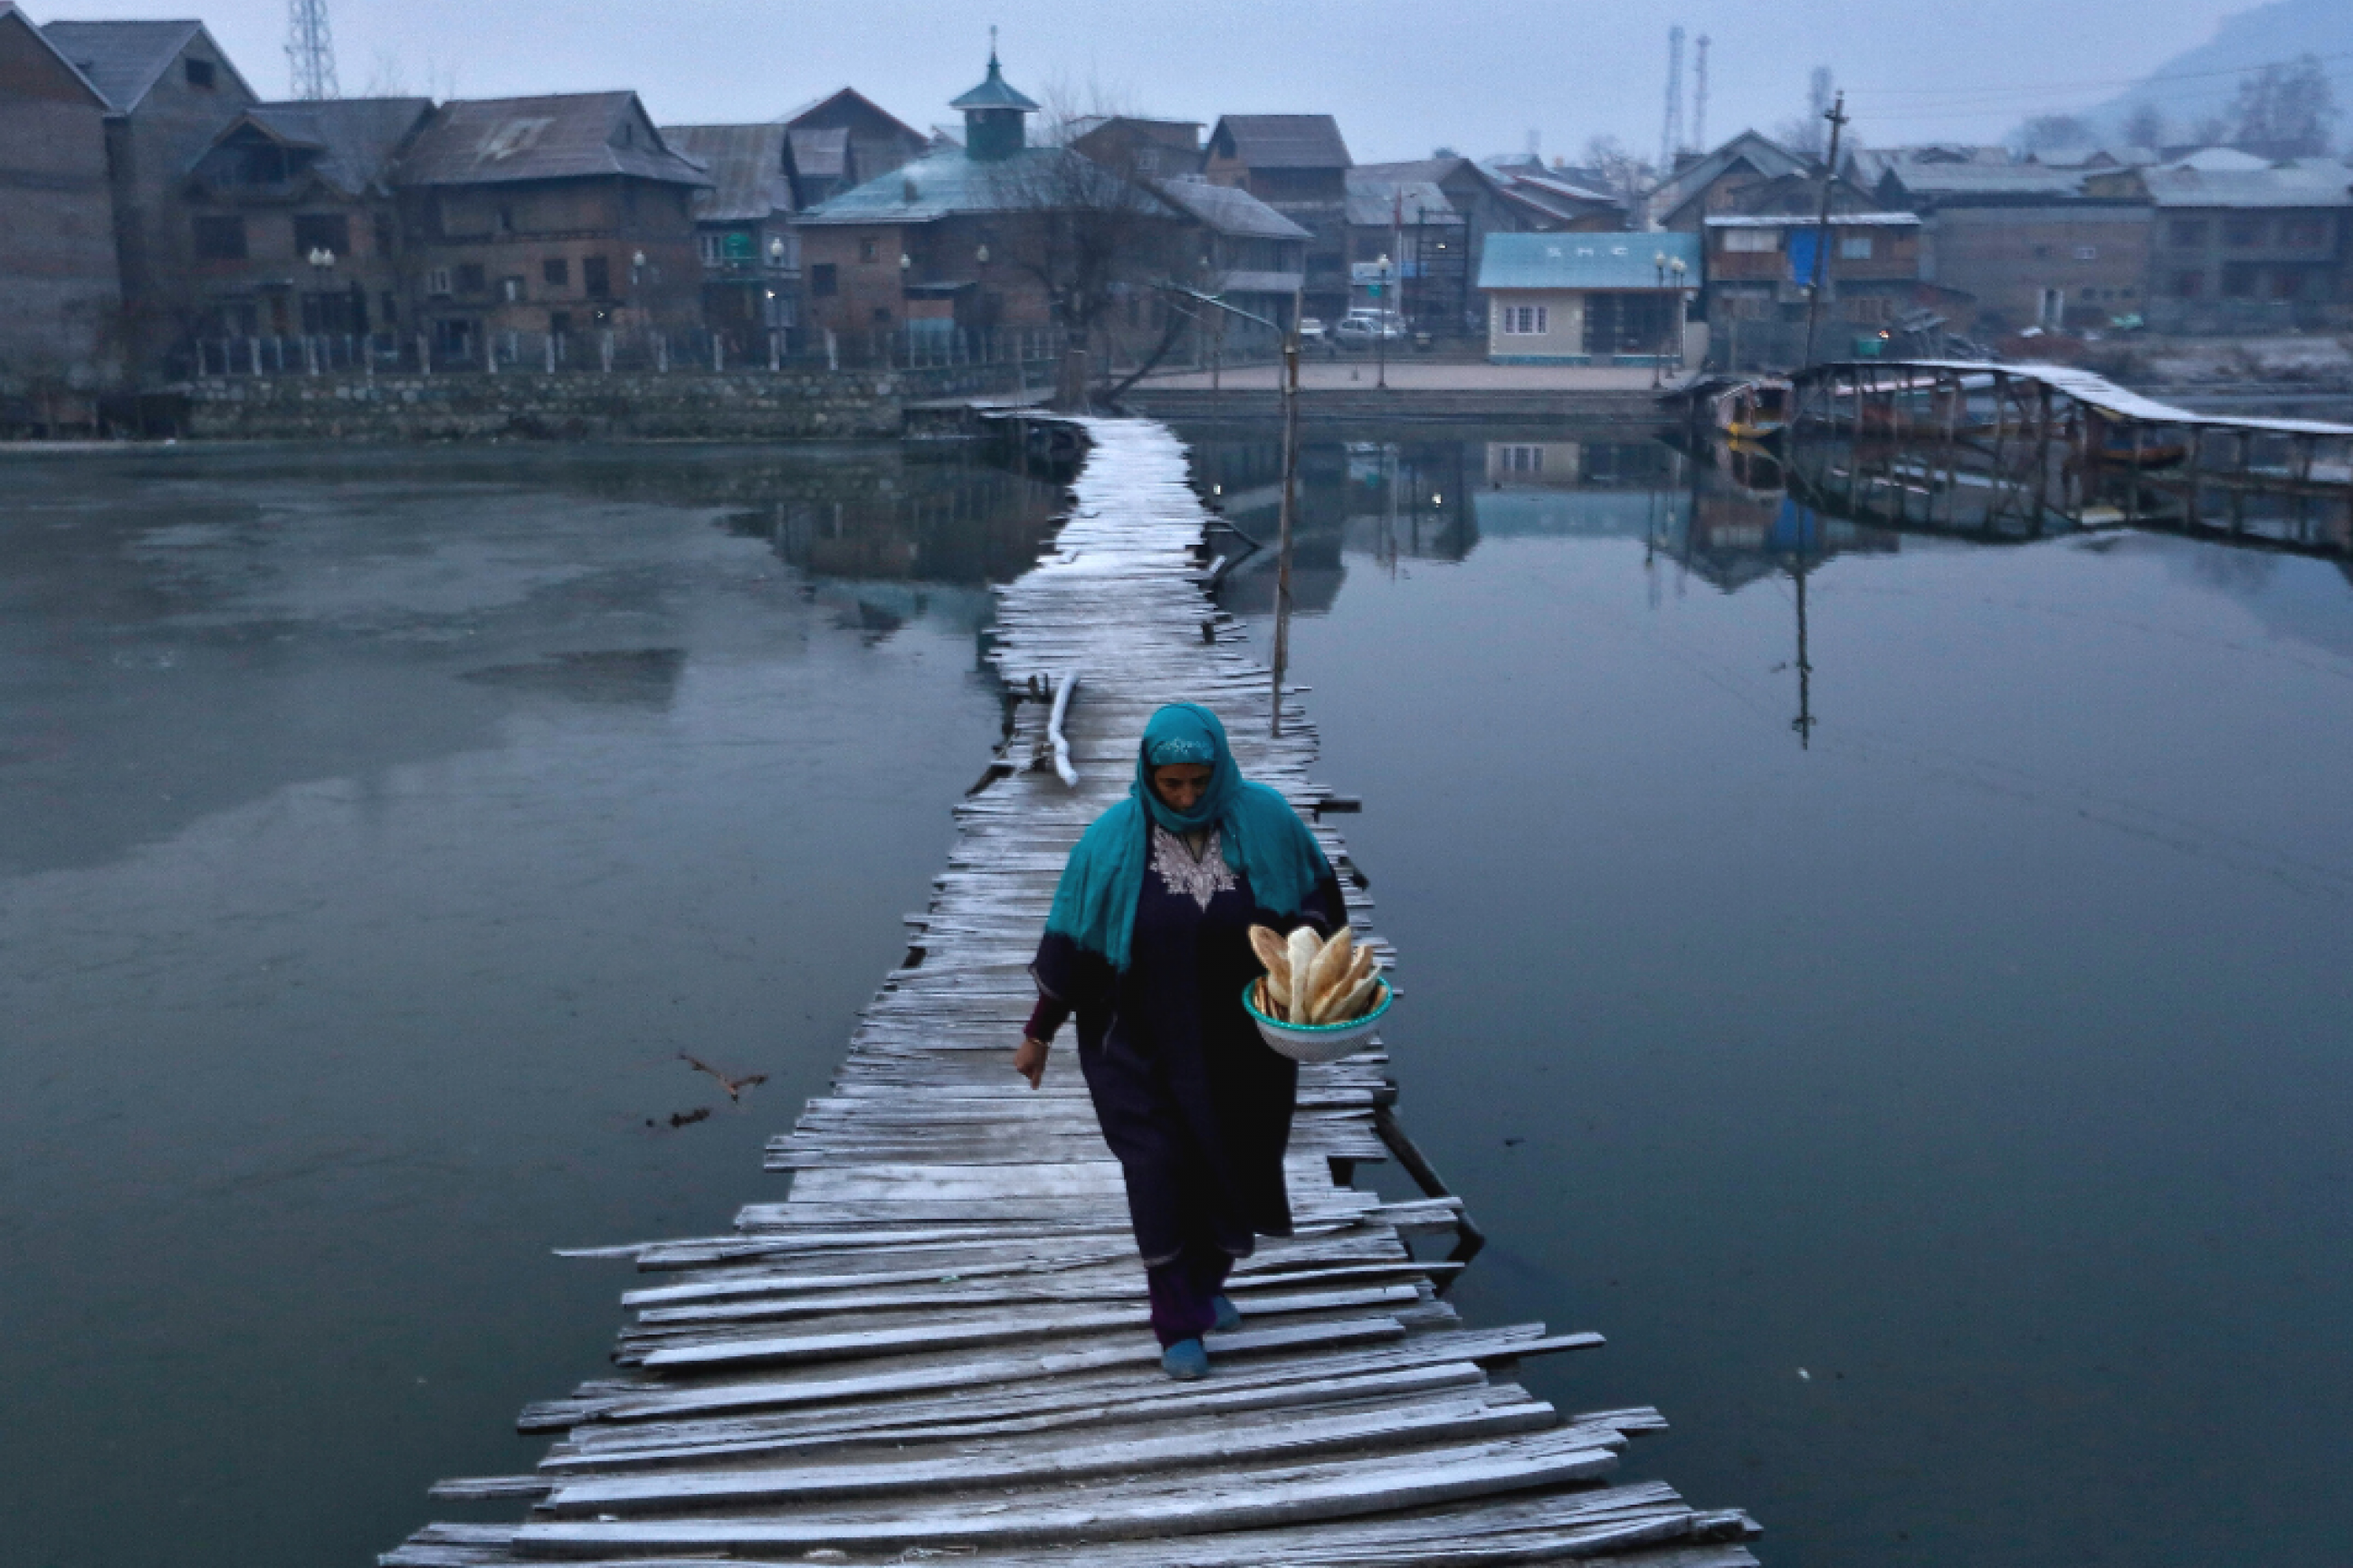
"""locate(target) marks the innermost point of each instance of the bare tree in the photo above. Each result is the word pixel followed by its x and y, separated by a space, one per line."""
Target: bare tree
pixel 2049 133
pixel 2145 127
pixel 1808 135
pixel 2286 108
pixel 1626 175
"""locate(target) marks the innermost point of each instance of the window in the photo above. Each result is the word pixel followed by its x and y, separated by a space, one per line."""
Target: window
pixel 710 247
pixel 2303 233
pixel 1870 309
pixel 2188 233
pixel 506 219
pixel 2042 253
pixel 511 290
pixel 383 235
pixel 1519 459
pixel 2242 232
pixel 1854 247
pixel 2188 285
pixel 437 283
pixel 1752 239
pixel 555 272
pixel 1527 320
pixel 2239 281
pixel 220 238
pixel 1628 323
pixel 2287 283
pixel 866 251
pixel 2087 253
pixel 199 73
pixel 2090 293
pixel 387 308
pixel 822 281
pixel 595 277
pixel 323 231
pixel 471 277
pixel 881 315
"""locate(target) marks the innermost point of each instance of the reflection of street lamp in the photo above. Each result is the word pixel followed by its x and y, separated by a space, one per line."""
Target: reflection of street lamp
pixel 1382 321
pixel 1676 268
pixel 1658 352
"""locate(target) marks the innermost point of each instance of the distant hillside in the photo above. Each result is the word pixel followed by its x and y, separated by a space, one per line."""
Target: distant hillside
pixel 2279 31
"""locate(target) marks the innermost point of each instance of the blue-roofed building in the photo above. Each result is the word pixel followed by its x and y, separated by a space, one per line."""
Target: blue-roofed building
pixel 1588 299
pixel 992 234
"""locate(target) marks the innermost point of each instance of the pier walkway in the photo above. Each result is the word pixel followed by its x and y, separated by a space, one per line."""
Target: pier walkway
pixel 935 1346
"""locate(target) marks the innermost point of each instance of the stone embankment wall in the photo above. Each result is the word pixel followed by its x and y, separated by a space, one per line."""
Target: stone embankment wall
pixel 754 404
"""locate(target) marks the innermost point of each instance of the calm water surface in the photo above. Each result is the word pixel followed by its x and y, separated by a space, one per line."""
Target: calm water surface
pixel 379 827
pixel 1945 1118
pixel 1967 1028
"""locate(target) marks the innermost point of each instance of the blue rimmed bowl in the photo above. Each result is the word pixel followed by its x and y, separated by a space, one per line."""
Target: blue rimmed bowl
pixel 1319 1042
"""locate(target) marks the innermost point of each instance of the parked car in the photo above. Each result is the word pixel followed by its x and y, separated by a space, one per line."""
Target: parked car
pixel 1363 329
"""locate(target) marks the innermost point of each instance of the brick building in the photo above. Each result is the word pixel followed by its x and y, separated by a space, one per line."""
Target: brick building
pixel 60 293
pixel 2239 244
pixel 554 215
pixel 292 223
pixel 169 90
pixel 2023 238
pixel 744 229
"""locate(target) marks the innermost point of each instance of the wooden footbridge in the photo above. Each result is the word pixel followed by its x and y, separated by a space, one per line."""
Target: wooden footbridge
pixel 2021 450
pixel 936 1345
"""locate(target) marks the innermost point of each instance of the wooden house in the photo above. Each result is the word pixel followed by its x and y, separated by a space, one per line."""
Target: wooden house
pixel 845 138
pixel 744 229
pixel 1138 149
pixel 1409 222
pixel 61 289
pixel 1254 257
pixel 1297 164
pixel 293 226
pixel 548 215
pixel 1588 299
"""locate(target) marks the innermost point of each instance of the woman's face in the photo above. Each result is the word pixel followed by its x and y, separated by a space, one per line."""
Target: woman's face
pixel 1180 785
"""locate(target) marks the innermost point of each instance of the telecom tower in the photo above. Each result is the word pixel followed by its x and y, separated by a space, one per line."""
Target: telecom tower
pixel 310 49
pixel 1699 94
pixel 1670 135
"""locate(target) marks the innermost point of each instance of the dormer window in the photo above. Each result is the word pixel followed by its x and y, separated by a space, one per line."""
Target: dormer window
pixel 629 133
pixel 199 73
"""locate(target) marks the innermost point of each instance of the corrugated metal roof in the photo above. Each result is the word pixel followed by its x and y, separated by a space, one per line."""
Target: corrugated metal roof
pixel 951 181
pixel 746 164
pixel 1585 260
pixel 123 60
pixel 822 153
pixel 2306 182
pixel 993 93
pixel 1285 141
pixel 1810 220
pixel 1940 179
pixel 1766 156
pixel 1230 211
pixel 496 141
pixel 1376 203
pixel 357 138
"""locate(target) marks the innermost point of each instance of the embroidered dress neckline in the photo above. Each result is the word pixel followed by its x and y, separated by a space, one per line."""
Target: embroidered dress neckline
pixel 1201 879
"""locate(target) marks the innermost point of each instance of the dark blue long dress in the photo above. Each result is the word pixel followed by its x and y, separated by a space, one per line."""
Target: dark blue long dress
pixel 1192 1102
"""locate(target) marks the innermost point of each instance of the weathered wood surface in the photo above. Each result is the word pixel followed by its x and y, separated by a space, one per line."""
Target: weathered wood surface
pixel 936 1344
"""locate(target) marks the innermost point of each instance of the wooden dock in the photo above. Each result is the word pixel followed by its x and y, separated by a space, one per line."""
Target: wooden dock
pixel 936 1345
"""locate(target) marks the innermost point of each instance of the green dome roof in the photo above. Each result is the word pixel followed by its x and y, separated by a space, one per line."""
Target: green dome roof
pixel 994 93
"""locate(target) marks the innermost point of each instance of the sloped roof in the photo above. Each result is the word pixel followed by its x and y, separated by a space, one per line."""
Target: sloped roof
pixel 1375 202
pixel 9 13
pixel 1941 179
pixel 2303 183
pixel 1810 220
pixel 793 118
pixel 124 60
pixel 950 181
pixel 1584 260
pixel 497 140
pixel 1230 210
pixel 1435 170
pixel 1285 141
pixel 747 164
pixel 993 93
pixel 1764 154
pixel 357 139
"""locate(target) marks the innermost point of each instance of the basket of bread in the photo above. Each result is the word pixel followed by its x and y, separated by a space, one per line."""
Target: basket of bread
pixel 1318 999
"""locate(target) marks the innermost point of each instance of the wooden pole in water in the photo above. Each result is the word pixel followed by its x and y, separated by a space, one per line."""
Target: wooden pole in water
pixel 1290 510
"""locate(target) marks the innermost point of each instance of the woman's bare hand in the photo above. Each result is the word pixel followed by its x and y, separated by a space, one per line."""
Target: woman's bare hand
pixel 1029 1060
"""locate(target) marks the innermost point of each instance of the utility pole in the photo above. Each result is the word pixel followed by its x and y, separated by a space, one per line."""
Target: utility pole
pixel 1290 507
pixel 311 50
pixel 1837 117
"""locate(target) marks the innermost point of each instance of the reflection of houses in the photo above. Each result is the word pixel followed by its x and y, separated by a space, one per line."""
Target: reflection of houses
pixel 57 247
pixel 548 215
pixel 744 228
pixel 1255 258
pixel 1587 298
pixel 294 222
pixel 1297 164
pixel 169 90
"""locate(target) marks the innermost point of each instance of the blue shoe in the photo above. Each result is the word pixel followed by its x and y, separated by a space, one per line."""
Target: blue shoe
pixel 1230 1316
pixel 1184 1361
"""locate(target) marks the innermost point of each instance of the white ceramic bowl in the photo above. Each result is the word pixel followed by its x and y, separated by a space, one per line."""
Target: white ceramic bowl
pixel 1318 1042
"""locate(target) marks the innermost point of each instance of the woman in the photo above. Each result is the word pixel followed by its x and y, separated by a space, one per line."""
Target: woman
pixel 1148 944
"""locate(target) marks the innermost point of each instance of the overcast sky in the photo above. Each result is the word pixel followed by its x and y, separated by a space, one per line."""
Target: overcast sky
pixel 1476 75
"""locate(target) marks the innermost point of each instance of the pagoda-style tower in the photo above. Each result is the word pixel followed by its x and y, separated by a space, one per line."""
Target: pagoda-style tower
pixel 994 123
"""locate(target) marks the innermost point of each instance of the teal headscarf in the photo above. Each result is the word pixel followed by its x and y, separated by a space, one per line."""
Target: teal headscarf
pixel 1262 837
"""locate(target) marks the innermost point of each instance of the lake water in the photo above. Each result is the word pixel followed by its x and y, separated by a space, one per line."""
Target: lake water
pixel 1968 1030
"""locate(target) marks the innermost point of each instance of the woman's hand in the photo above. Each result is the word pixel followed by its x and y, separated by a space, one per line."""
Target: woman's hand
pixel 1029 1060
